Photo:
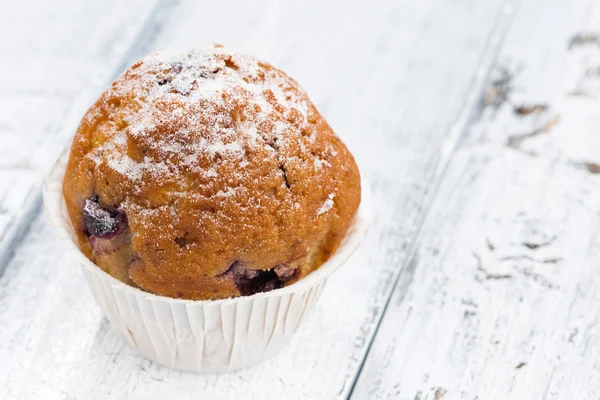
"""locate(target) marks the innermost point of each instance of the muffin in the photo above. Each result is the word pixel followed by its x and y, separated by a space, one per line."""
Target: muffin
pixel 208 175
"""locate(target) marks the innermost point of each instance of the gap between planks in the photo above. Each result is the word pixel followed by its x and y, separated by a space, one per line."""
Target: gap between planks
pixel 16 233
pixel 471 112
pixel 552 151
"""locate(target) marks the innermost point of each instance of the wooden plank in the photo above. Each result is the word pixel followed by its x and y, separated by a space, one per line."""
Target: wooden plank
pixel 57 57
pixel 501 302
pixel 377 77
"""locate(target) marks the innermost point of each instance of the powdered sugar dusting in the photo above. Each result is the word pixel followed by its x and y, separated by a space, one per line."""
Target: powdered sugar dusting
pixel 320 163
pixel 327 205
pixel 126 166
pixel 228 192
pixel 191 106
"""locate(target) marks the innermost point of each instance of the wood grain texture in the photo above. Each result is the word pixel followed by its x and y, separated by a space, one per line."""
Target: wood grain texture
pixel 397 81
pixel 56 58
pixel 501 303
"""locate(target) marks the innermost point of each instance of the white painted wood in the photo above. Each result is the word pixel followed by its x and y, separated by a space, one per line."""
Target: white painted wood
pixel 396 79
pixel 501 301
pixel 57 56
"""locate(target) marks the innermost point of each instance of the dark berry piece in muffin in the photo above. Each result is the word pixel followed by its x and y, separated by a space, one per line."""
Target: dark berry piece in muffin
pixel 99 221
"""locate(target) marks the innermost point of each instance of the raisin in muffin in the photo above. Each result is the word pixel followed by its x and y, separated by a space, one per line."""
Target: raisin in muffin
pixel 208 175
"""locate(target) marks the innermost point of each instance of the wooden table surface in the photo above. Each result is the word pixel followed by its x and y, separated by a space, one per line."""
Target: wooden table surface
pixel 477 127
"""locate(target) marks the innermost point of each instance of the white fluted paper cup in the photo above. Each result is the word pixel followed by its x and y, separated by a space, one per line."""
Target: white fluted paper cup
pixel 208 335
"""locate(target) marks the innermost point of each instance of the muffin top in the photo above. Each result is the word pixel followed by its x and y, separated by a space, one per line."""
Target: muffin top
pixel 208 174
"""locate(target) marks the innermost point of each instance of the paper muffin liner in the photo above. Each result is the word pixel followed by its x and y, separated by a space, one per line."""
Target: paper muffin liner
pixel 203 336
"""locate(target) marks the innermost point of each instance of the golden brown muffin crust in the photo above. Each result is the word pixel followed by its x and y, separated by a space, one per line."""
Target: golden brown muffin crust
pixel 193 172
